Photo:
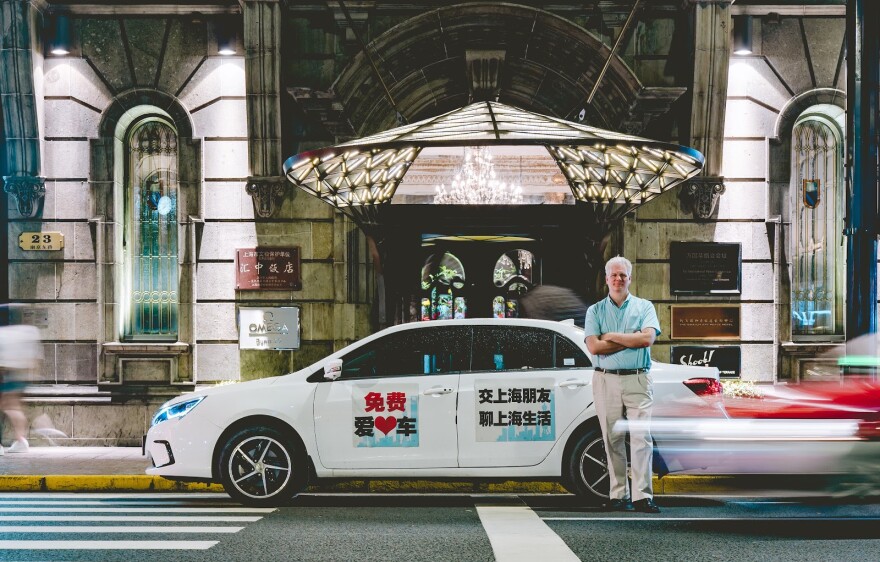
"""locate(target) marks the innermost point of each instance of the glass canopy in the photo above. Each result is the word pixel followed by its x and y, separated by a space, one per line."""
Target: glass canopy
pixel 612 172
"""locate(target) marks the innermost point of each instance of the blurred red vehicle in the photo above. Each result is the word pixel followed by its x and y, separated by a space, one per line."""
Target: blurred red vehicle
pixel 815 428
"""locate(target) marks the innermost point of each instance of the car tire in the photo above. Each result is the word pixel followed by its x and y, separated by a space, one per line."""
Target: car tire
pixel 260 466
pixel 587 468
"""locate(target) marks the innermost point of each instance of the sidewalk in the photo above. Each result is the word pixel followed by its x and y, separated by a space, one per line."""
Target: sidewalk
pixel 122 469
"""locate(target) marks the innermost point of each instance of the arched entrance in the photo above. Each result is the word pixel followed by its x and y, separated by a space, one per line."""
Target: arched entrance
pixel 577 181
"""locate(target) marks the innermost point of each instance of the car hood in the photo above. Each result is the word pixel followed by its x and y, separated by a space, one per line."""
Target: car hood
pixel 224 389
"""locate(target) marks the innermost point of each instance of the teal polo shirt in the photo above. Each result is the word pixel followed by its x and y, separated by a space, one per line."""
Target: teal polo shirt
pixel 633 316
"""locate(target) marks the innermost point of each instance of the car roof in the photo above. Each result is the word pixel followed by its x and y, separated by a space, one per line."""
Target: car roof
pixel 566 327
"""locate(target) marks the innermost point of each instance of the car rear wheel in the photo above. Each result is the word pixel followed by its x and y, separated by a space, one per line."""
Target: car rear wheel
pixel 261 466
pixel 587 470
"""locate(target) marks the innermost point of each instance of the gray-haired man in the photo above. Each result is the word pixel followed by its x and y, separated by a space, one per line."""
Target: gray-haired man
pixel 620 330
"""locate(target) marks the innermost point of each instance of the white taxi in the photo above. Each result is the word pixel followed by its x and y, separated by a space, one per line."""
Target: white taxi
pixel 472 399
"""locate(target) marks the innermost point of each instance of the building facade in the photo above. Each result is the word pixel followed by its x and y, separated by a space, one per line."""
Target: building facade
pixel 152 139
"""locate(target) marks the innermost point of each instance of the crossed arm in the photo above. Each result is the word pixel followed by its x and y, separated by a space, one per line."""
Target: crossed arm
pixel 612 342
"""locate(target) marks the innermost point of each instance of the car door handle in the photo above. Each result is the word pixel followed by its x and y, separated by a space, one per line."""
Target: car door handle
pixel 573 383
pixel 437 391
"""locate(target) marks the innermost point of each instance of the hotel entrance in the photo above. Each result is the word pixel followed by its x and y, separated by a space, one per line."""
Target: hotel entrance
pixel 446 262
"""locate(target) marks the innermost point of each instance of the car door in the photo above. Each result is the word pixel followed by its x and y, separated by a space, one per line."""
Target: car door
pixel 394 404
pixel 525 387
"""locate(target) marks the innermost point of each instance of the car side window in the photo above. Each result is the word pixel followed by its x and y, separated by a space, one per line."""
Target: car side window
pixel 512 348
pixel 568 355
pixel 420 351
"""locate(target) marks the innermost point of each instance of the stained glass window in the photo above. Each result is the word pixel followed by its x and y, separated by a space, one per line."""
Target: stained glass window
pixel 817 283
pixel 150 242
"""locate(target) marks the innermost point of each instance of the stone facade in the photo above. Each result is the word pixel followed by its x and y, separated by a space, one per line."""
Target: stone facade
pixel 299 81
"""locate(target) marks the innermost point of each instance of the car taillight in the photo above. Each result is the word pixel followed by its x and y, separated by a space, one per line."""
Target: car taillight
pixel 704 387
pixel 869 430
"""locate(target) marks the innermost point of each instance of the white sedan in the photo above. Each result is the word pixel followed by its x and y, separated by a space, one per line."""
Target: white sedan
pixel 473 399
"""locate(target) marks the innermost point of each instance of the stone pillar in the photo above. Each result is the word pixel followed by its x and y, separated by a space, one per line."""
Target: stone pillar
pixel 20 128
pixel 711 62
pixel 262 43
pixel 863 105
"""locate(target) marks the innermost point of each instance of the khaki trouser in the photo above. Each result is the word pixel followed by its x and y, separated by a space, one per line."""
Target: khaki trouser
pixel 633 395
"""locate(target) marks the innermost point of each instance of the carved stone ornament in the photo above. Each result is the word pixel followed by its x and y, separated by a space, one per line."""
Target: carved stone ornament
pixel 705 192
pixel 28 191
pixel 267 193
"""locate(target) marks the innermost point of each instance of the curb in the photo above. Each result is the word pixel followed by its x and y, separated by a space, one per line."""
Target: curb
pixel 147 483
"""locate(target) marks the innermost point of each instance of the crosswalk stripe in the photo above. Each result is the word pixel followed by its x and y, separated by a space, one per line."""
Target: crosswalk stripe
pixel 138 518
pixel 211 509
pixel 517 534
pixel 106 545
pixel 114 529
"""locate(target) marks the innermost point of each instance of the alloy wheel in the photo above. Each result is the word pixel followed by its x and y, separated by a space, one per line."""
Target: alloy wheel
pixel 260 467
pixel 593 468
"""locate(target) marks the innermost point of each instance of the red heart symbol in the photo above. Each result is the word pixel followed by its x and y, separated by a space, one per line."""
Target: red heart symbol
pixel 384 424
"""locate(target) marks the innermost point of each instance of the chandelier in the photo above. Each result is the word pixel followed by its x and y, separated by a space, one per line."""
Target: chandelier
pixel 475 183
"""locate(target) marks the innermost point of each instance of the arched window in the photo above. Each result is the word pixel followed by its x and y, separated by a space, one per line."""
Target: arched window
pixel 150 235
pixel 442 277
pixel 817 189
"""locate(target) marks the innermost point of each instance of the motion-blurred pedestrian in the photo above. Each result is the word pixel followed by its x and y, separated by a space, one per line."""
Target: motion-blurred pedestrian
pixel 20 355
pixel 549 302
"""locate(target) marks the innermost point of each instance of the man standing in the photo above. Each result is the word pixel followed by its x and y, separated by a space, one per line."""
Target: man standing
pixel 620 330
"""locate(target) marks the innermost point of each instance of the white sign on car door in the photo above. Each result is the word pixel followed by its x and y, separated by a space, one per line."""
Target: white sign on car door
pixel 394 405
pixel 527 387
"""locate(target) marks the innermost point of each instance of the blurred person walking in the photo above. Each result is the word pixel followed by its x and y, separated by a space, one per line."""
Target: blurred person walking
pixel 620 330
pixel 20 355
pixel 549 302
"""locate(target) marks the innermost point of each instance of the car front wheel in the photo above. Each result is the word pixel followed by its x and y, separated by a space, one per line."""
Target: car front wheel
pixel 261 466
pixel 587 468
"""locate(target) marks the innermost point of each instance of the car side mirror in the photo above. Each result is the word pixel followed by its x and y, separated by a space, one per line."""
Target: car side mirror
pixel 333 369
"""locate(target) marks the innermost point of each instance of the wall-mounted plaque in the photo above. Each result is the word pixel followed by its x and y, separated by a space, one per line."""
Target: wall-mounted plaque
pixel 267 269
pixel 705 267
pixel 728 359
pixel 41 241
pixel 268 328
pixel 714 322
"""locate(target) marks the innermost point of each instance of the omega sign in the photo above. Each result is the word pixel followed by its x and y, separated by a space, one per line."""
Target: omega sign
pixel 269 328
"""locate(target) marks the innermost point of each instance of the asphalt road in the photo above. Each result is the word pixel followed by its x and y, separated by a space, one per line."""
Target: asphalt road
pixel 343 527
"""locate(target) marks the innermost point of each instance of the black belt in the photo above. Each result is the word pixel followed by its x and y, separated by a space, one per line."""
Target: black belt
pixel 622 371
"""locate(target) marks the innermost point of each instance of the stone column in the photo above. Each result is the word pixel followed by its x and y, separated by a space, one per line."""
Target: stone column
pixel 863 106
pixel 262 43
pixel 21 131
pixel 711 61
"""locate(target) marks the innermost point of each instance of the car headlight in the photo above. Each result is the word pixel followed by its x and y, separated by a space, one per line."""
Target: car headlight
pixel 176 410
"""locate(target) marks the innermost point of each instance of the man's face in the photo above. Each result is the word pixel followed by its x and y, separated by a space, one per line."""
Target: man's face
pixel 618 280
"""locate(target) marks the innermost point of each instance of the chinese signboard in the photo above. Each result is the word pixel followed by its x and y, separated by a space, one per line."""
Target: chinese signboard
pixel 273 269
pixel 717 322
pixel 512 412
pixel 268 328
pixel 705 267
pixel 41 241
pixel 727 359
pixel 389 419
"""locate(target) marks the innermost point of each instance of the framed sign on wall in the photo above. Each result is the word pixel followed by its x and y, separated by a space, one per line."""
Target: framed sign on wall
pixel 705 322
pixel 727 359
pixel 269 328
pixel 267 269
pixel 705 268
